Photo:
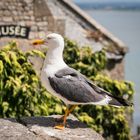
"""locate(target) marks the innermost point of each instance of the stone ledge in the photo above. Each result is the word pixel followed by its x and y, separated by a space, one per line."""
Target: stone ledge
pixel 42 128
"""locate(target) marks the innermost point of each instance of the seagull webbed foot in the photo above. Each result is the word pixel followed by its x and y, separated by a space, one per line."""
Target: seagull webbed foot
pixel 60 127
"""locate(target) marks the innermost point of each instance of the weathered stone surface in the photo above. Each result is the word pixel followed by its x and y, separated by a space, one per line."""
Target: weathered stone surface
pixel 42 128
pixel 10 129
pixel 8 19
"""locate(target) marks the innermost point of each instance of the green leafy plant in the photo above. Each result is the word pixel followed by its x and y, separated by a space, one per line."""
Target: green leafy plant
pixel 21 92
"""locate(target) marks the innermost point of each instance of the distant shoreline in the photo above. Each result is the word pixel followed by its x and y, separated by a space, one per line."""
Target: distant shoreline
pixel 110 6
pixel 109 9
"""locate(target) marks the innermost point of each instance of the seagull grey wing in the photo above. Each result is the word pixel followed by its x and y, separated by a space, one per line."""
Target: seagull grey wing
pixel 66 71
pixel 71 85
pixel 75 87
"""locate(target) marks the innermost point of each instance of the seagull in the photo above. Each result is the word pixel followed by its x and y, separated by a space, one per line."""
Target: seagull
pixel 69 85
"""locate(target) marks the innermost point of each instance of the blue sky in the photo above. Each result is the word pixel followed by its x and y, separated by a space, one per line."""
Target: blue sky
pixel 107 1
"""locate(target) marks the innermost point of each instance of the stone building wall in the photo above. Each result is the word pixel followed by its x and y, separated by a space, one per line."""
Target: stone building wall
pixel 44 16
pixel 30 13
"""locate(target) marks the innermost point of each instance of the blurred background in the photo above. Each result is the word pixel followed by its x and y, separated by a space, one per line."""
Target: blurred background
pixel 122 18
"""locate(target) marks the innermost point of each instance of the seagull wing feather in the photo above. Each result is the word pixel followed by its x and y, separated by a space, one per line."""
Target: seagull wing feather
pixel 75 87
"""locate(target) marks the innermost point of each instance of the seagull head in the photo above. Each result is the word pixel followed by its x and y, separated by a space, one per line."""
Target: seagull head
pixel 52 41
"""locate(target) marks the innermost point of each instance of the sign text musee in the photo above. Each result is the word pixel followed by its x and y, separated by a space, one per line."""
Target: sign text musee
pixel 14 31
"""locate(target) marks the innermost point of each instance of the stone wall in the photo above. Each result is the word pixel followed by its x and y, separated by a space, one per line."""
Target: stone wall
pixel 115 69
pixel 42 128
pixel 30 13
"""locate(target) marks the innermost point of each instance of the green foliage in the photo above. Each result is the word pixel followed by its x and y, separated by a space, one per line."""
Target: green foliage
pixel 21 93
pixel 83 59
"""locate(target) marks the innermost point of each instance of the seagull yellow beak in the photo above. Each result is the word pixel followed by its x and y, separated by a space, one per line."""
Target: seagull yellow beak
pixel 38 42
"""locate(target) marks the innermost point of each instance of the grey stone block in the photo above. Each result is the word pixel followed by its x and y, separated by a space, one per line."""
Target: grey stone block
pixel 10 129
pixel 42 128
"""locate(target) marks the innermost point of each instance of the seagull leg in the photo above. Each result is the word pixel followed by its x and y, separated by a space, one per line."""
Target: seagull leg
pixel 67 112
pixel 62 126
pixel 71 109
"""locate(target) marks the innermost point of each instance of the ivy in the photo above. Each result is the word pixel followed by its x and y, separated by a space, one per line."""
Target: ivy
pixel 21 92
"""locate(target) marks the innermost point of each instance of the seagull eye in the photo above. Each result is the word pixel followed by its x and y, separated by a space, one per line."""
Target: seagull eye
pixel 48 38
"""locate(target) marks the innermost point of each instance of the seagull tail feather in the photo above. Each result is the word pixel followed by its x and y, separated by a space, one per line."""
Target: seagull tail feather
pixel 117 101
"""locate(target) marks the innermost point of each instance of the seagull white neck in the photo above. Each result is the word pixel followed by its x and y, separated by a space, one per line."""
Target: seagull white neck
pixel 54 57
